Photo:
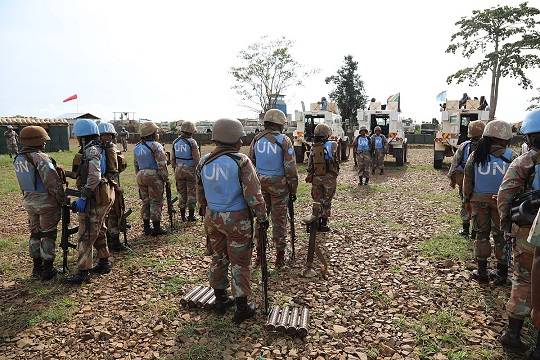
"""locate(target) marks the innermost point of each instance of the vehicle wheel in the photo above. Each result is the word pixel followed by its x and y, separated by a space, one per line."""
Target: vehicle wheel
pixel 299 152
pixel 398 154
pixel 437 163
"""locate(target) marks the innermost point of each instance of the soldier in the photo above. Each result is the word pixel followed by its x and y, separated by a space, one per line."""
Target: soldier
pixel 362 147
pixel 484 172
pixel 43 196
pixel 186 157
pixel 152 174
pixel 11 141
pixel 455 174
pixel 124 135
pixel 97 197
pixel 228 186
pixel 379 145
pixel 111 155
pixel 273 155
pixel 323 169
pixel 522 175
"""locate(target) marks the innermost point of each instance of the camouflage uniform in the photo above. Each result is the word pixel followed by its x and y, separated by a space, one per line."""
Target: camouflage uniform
pixel 363 158
pixel 151 183
pixel 230 232
pixel 516 181
pixel 100 197
pixel 378 154
pixel 185 174
pixel 11 141
pixel 124 134
pixel 43 208
pixel 485 213
pixel 323 187
pixel 276 189
pixel 113 175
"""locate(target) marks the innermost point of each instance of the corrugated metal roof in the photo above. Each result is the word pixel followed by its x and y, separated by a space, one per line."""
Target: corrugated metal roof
pixel 29 120
pixel 70 116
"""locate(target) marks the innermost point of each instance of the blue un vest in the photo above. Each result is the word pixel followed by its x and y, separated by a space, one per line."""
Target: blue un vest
pixel 378 142
pixel 269 157
pixel 182 152
pixel 488 177
pixel 328 150
pixel 27 175
pixel 536 179
pixel 363 143
pixel 221 183
pixel 465 155
pixel 144 156
pixel 103 162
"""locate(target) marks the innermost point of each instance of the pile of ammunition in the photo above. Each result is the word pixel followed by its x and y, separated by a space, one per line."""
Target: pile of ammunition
pixel 200 296
pixel 290 320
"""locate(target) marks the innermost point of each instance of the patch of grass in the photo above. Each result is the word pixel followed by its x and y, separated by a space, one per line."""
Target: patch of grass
pixel 186 238
pixel 446 197
pixel 164 308
pixel 175 284
pixel 256 331
pixel 420 168
pixel 446 246
pixel 59 311
pixel 372 353
pixel 395 269
pixel 392 225
pixel 451 219
pixel 200 352
pixel 376 188
pixel 380 295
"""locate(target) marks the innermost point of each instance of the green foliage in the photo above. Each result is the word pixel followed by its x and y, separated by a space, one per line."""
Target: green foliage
pixel 349 92
pixel 446 246
pixel 267 68
pixel 59 311
pixel 535 102
pixel 507 38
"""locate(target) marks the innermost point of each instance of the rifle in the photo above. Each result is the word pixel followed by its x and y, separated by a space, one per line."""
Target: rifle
pixel 67 231
pixel 264 268
pixel 293 232
pixel 525 207
pixel 124 225
pixel 170 204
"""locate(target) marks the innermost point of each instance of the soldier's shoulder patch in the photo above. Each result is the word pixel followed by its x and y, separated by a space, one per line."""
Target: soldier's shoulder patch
pixel 290 151
pixel 93 151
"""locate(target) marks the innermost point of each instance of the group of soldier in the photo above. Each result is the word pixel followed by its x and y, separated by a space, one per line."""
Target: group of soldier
pixel 490 176
pixel 369 153
pixel 234 192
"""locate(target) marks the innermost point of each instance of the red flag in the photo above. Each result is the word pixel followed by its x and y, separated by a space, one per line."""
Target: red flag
pixel 72 97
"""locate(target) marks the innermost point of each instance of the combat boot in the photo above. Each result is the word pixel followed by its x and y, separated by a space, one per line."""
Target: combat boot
pixel 481 275
pixel 223 301
pixel 103 266
pixel 38 267
pixel 158 230
pixel 280 258
pixel 115 244
pixel 382 172
pixel 146 227
pixel 323 225
pixel 499 276
pixel 191 216
pixel 183 214
pixel 244 310
pixel 535 355
pixel 48 271
pixel 473 234
pixel 360 181
pixel 465 230
pixel 511 337
pixel 83 276
pixel 366 181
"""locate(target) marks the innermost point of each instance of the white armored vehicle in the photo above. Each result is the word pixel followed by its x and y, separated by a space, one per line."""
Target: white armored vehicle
pixel 453 128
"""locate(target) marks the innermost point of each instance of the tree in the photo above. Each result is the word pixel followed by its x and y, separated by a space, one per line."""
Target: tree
pixel 508 39
pixel 535 102
pixel 267 68
pixel 348 92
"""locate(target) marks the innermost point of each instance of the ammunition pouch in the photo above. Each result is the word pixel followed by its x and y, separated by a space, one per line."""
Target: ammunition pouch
pixel 103 193
pixel 121 160
pixel 75 166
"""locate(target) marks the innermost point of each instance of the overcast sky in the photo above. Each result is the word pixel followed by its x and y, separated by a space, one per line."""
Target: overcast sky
pixel 170 60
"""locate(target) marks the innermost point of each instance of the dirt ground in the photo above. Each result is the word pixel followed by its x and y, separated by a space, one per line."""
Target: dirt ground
pixel 399 285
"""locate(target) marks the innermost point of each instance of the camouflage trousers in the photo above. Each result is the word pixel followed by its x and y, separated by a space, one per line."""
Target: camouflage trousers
pixel 115 214
pixel 12 147
pixel 363 160
pixel 185 185
pixel 485 218
pixel 124 144
pixel 92 229
pixel 43 218
pixel 519 304
pixel 276 196
pixel 378 159
pixel 463 212
pixel 323 189
pixel 230 236
pixel 151 188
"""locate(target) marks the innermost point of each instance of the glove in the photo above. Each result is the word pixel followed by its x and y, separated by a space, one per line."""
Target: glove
pixel 80 205
pixel 202 211
pixel 263 224
pixel 292 197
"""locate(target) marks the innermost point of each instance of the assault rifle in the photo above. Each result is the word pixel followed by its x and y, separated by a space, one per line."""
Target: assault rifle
pixel 67 231
pixel 525 207
pixel 170 204
pixel 124 225
pixel 291 220
pixel 264 268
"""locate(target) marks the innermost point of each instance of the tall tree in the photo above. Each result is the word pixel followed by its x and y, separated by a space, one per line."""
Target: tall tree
pixel 348 92
pixel 535 102
pixel 507 37
pixel 267 68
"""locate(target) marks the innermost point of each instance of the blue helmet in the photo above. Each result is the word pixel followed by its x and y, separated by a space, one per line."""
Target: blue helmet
pixel 85 127
pixel 531 124
pixel 106 128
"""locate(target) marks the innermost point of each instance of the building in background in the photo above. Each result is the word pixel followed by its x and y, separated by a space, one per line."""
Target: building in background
pixel 58 130
pixel 72 117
